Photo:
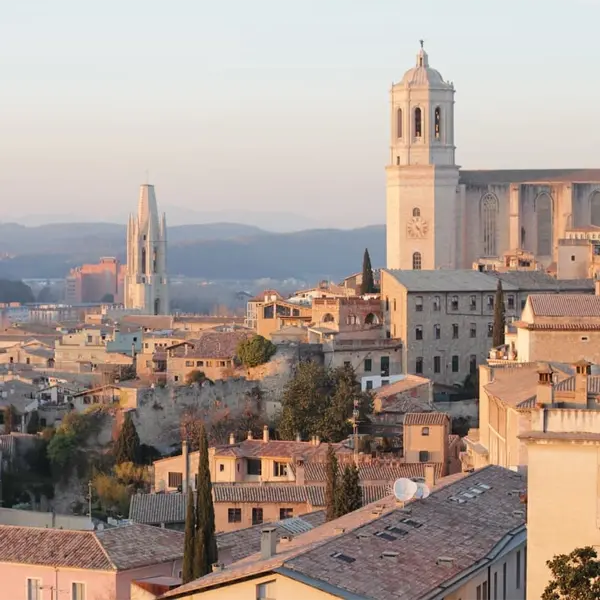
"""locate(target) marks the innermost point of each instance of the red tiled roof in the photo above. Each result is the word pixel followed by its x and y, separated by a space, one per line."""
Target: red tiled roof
pixel 565 305
pixel 407 383
pixel 278 449
pixel 316 471
pixel 211 344
pixel 558 326
pixel 430 418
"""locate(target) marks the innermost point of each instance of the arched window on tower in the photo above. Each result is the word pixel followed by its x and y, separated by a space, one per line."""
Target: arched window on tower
pixel 437 117
pixel 399 123
pixel 144 260
pixel 417 261
pixel 489 225
pixel 416 212
pixel 418 122
pixel 595 209
pixel 543 210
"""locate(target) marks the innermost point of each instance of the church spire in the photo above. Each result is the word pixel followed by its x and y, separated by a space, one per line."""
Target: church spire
pixel 422 57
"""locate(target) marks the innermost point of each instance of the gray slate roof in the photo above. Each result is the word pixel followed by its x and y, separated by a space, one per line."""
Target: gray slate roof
pixel 440 280
pixel 543 282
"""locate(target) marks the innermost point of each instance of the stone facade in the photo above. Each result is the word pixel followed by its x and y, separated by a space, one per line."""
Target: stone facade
pixel 440 217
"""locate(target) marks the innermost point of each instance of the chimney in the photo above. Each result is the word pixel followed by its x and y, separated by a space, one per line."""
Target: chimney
pixel 597 287
pixel 430 476
pixel 216 567
pixel 582 370
pixel 298 438
pixel 186 465
pixel 266 433
pixel 300 471
pixel 545 386
pixel 268 542
pixel 250 434
pixel 231 438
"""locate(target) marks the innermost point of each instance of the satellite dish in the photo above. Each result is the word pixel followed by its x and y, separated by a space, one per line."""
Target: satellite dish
pixel 422 491
pixel 404 489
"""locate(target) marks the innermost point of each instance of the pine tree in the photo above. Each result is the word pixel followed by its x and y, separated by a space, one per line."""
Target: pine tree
pixel 332 483
pixel 368 284
pixel 205 547
pixel 499 318
pixel 350 493
pixel 127 446
pixel 189 541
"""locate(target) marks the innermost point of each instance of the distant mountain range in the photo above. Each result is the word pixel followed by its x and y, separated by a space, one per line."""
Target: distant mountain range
pixel 216 251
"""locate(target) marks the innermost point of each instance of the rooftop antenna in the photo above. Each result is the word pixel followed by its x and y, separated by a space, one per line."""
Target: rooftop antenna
pixel 404 489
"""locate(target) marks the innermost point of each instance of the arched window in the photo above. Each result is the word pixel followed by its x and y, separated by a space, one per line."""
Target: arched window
pixel 418 122
pixel 437 117
pixel 416 212
pixel 595 209
pixel 543 210
pixel 399 123
pixel 489 216
pixel 371 319
pixel 328 318
pixel 417 261
pixel 143 260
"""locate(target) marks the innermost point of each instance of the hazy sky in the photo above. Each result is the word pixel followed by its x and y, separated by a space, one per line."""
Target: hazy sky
pixel 275 105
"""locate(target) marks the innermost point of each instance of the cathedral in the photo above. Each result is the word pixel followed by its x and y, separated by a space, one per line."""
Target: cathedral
pixel 441 217
pixel 146 284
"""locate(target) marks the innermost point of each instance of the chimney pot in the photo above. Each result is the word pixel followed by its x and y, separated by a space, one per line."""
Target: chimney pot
pixel 216 567
pixel 268 542
pixel 266 433
pixel 231 438
pixel 250 434
pixel 430 476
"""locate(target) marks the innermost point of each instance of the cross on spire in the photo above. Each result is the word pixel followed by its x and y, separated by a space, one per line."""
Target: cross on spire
pixel 421 42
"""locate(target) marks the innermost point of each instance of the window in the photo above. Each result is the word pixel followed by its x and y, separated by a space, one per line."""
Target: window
pixel 472 364
pixel 417 261
pixel 572 258
pixel 454 303
pixel 416 212
pixel 437 364
pixel 518 582
pixel 234 515
pixel 175 377
pixel 254 466
pixel 504 581
pixel 425 431
pixel 423 456
pixel 189 363
pixel 419 332
pixel 279 469
pixel 199 363
pixel 490 302
pixel 484 590
pixel 490 329
pixel 384 363
pixel 436 303
pixel 369 385
pixel 399 123
pixel 418 123
pixel 419 365
pixel 472 302
pixel 437 331
pixel 368 365
pixel 419 303
pixel 455 363
pixel 473 330
pixel 175 479
pixel 257 516
pixel 347 364
pixel 455 331
pixel 77 591
pixel 394 304
pixel 496 585
pixel 510 302
pixel 89 339
pixel 286 513
pixel 478 593
pixel 385 382
pixel 387 303
pixel 265 591
pixel 437 122
pixel 34 589
pixel 489 215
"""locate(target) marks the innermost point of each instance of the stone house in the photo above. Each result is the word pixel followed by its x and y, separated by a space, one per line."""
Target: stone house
pixel 270 311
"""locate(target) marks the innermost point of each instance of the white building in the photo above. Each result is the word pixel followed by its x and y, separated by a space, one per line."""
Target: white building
pixel 146 283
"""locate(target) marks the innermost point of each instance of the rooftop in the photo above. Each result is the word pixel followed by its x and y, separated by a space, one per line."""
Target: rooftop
pixel 541 281
pixel 114 549
pixel 565 305
pixel 465 518
pixel 440 280
pixel 408 382
pixel 211 344
pixel 426 418
pixel 507 176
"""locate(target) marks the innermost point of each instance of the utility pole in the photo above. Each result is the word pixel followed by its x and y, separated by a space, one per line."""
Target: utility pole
pixel 90 499
pixel 355 414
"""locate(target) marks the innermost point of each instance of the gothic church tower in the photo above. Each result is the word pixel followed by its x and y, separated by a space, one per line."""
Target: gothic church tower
pixel 422 177
pixel 146 284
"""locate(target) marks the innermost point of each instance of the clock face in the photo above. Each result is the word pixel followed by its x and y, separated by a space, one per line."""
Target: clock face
pixel 417 228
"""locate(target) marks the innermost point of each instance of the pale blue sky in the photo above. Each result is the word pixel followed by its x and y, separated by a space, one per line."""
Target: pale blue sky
pixel 275 105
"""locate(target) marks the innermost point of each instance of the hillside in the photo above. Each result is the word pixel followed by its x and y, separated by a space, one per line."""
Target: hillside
pixel 213 251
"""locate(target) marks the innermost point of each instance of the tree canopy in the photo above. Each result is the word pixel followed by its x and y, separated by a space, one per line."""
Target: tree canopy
pixel 15 291
pixel 575 576
pixel 368 284
pixel 319 401
pixel 255 351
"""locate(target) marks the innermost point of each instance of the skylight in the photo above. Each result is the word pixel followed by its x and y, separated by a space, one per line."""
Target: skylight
pixel 386 536
pixel 412 523
pixel 343 557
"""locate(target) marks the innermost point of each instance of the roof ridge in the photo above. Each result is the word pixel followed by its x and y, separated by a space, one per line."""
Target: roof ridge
pixel 104 551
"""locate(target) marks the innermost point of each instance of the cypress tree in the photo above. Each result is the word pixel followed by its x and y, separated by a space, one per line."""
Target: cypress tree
pixel 127 446
pixel 368 284
pixel 331 489
pixel 205 547
pixel 189 540
pixel 499 318
pixel 350 493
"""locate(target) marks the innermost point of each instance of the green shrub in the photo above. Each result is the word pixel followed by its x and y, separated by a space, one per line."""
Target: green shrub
pixel 255 351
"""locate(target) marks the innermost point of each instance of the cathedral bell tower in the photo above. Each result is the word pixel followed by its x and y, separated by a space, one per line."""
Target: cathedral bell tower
pixel 422 177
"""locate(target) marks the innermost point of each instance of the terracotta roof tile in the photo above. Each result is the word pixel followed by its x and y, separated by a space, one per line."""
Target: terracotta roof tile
pixel 278 449
pixel 565 305
pixel 426 418
pixel 211 344
pixel 316 471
